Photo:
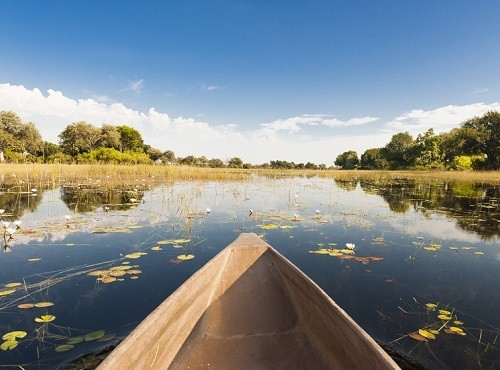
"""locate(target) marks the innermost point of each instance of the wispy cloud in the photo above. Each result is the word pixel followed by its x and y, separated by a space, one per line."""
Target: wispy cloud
pixel 210 87
pixel 480 90
pixel 440 119
pixel 135 86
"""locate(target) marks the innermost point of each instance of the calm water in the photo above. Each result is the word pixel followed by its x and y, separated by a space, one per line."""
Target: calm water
pixel 440 244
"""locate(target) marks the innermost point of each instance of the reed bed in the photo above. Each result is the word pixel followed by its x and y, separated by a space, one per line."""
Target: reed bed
pixel 26 176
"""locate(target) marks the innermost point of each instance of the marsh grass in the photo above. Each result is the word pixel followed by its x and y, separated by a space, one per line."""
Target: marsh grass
pixel 28 176
pixel 24 177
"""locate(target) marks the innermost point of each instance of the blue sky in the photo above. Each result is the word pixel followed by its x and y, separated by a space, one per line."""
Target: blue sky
pixel 262 80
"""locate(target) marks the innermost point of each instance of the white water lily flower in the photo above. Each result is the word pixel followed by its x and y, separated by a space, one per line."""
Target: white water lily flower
pixel 209 210
pixel 350 245
pixel 67 217
pixel 34 190
pixel 5 224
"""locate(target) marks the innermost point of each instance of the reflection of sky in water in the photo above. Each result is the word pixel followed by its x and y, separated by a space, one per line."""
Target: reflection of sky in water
pixel 180 211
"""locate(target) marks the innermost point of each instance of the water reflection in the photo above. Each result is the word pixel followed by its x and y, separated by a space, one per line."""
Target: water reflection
pixel 422 240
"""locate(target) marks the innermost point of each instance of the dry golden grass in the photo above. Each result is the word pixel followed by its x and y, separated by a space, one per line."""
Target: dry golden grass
pixel 53 175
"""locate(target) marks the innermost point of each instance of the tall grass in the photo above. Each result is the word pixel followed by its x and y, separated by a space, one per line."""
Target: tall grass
pixel 53 175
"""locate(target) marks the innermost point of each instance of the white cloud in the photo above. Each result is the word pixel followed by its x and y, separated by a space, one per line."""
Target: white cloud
pixel 295 124
pixel 440 119
pixel 291 139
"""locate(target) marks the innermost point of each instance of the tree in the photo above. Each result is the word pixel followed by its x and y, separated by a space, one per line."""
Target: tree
pixel 372 159
pixel 169 156
pixel 398 152
pixel 235 162
pixel 110 137
pixel 153 153
pixel 487 129
pixel 427 150
pixel 130 139
pixel 18 136
pixel 79 137
pixel 347 160
pixel 31 139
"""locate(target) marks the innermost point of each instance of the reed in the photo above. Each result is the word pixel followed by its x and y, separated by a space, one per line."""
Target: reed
pixel 53 175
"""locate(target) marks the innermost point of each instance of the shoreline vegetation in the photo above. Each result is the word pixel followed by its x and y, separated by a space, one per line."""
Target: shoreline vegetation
pixel 32 175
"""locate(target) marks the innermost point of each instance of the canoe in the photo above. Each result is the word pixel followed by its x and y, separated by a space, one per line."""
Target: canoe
pixel 248 308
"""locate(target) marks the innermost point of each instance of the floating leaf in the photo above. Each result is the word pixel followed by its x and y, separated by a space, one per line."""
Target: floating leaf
pixel 64 347
pixel 45 318
pixel 9 344
pixel 94 335
pixel 426 333
pixel 452 328
pixel 156 248
pixel 6 292
pixel 479 253
pixel 44 304
pixel 97 272
pixel 444 317
pixel 181 241
pixel 107 279
pixel 431 306
pixel 134 255
pixel 117 273
pixel 120 268
pixel 434 331
pixel 34 259
pixel 454 248
pixel 134 277
pixel 418 337
pixel 458 322
pixel 25 305
pixel 444 312
pixel 320 251
pixel 347 251
pixel 185 257
pixel 268 226
pixel 14 334
pixel 13 285
pixel 134 272
pixel 75 340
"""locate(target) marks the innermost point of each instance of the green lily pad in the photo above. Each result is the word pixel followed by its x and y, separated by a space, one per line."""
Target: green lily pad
pixel 64 347
pixel 94 335
pixel 8 345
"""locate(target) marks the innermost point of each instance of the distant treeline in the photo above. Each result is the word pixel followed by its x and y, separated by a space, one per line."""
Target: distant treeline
pixel 473 145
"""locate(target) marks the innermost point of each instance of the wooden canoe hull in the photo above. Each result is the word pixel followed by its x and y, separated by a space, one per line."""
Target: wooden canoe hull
pixel 249 307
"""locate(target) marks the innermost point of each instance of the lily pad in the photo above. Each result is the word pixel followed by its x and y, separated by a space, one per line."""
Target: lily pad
pixel 106 337
pixel 25 305
pixel 44 304
pixel 426 333
pixel 64 347
pixel 418 337
pixel 6 292
pixel 45 318
pixel 13 285
pixel 75 340
pixel 93 335
pixel 185 257
pixel 156 248
pixel 8 345
pixel 14 334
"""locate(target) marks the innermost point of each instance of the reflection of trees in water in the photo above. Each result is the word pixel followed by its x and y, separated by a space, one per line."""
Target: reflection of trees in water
pixel 346 185
pixel 16 204
pixel 475 206
pixel 80 199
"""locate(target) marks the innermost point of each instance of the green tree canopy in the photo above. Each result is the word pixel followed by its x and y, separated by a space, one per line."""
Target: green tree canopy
pixel 487 129
pixel 130 139
pixel 79 137
pixel 399 150
pixel 347 160
pixel 110 137
pixel 372 159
